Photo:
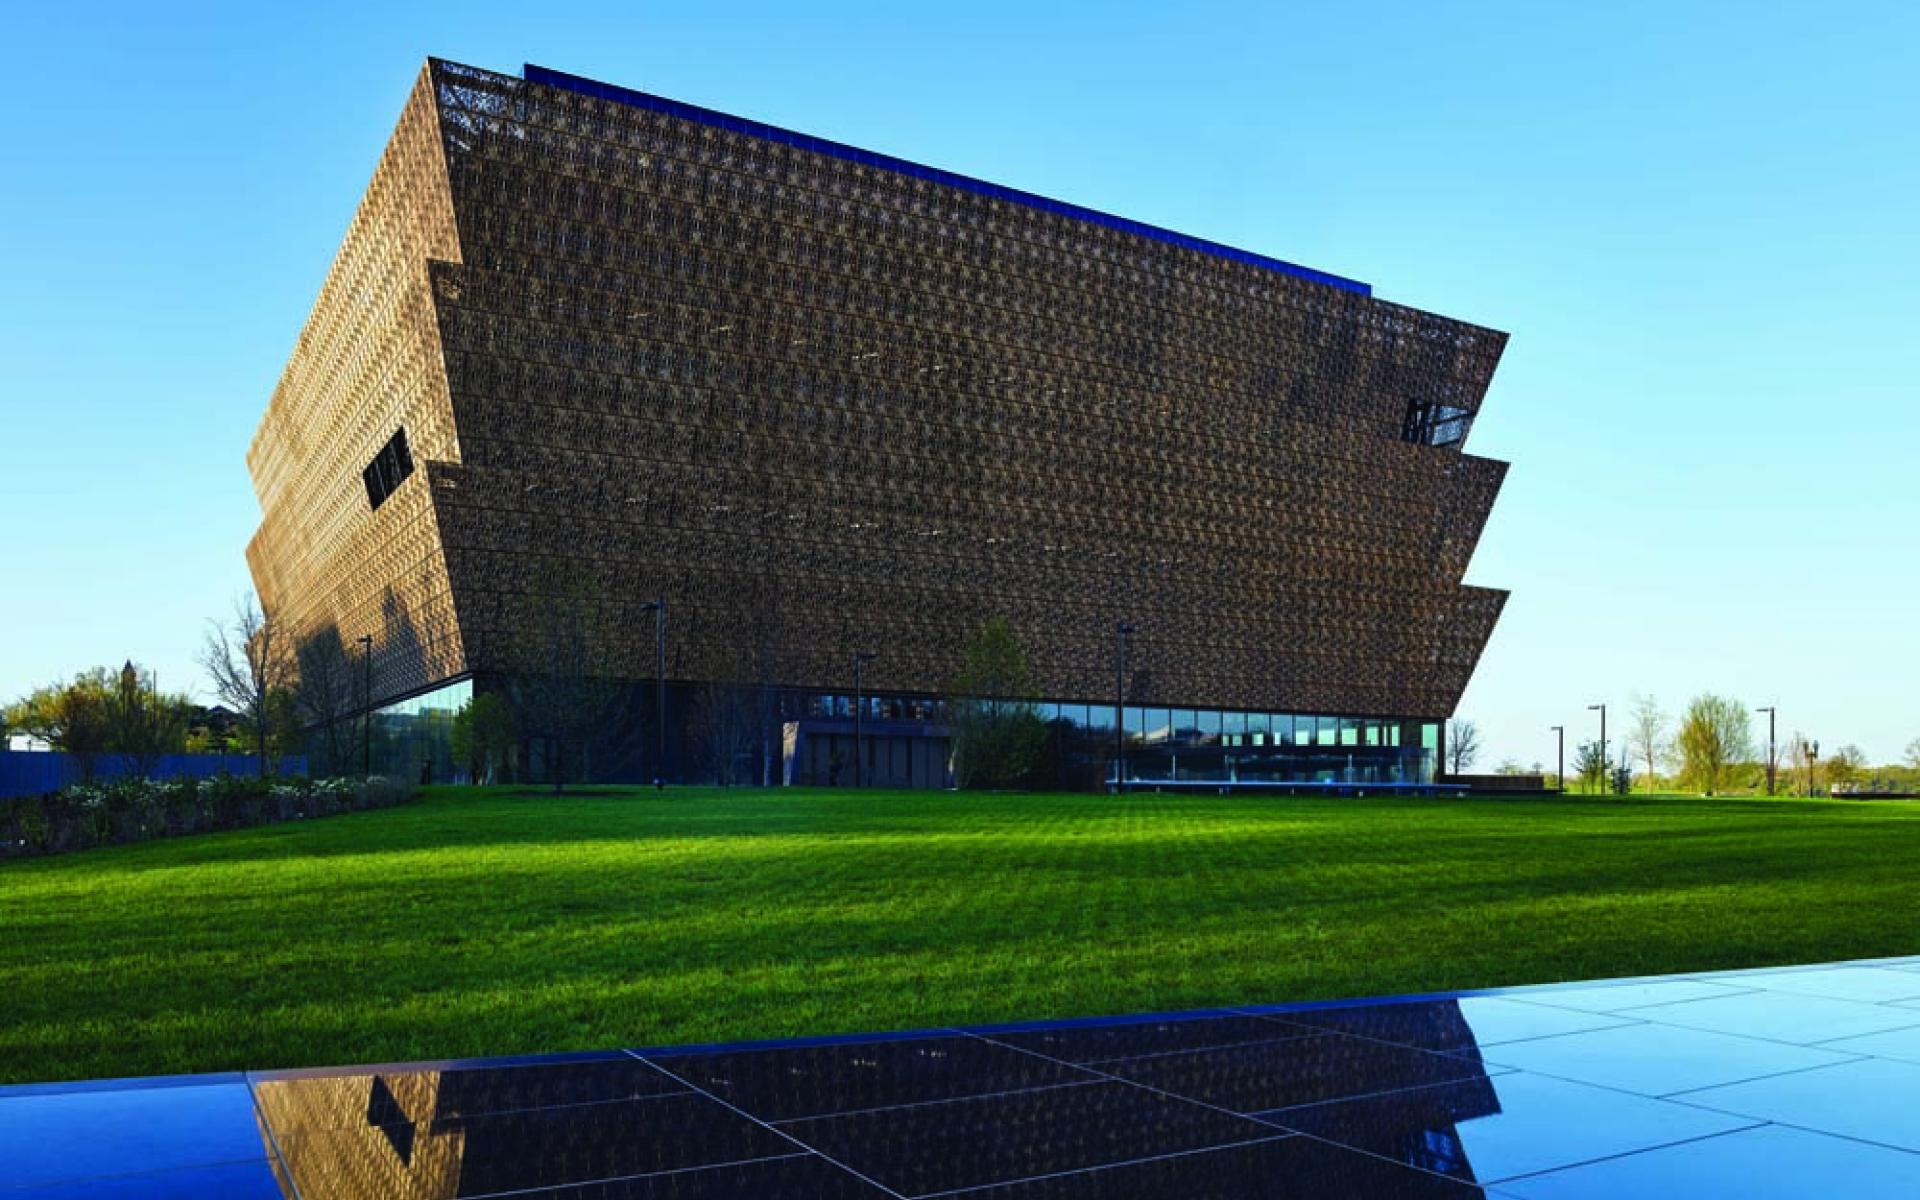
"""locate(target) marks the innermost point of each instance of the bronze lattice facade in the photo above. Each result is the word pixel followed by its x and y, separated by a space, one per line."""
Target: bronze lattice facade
pixel 823 401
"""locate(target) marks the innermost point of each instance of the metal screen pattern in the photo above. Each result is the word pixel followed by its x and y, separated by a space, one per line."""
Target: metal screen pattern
pixel 824 405
pixel 367 364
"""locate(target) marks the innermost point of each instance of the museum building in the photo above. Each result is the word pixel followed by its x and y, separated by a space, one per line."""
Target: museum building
pixel 588 358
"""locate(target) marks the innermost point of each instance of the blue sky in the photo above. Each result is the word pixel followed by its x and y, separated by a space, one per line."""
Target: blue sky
pixel 1696 220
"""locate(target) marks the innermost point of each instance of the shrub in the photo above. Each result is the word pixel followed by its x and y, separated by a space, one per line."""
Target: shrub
pixel 135 810
pixel 23 826
pixel 382 791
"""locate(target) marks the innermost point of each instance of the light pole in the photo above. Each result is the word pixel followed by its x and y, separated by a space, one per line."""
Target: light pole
pixel 1560 776
pixel 366 703
pixel 1813 752
pixel 1606 764
pixel 1121 632
pixel 658 607
pixel 1769 710
pixel 860 659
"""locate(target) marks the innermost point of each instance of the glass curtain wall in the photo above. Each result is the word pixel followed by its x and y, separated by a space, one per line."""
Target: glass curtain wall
pixel 413 739
pixel 1186 745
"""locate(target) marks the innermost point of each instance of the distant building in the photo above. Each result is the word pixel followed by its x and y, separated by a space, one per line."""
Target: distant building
pixel 214 718
pixel 585 340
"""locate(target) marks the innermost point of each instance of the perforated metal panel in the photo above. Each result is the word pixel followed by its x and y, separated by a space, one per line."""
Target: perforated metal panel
pixel 822 403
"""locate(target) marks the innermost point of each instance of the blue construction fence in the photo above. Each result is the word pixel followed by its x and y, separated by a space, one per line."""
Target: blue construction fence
pixel 33 772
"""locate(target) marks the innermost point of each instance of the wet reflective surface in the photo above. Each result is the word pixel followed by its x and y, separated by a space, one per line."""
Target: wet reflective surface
pixel 1794 1082
pixel 1305 1070
pixel 1461 1027
pixel 1492 1130
pixel 811 1081
pixel 1099 1041
pixel 47 1137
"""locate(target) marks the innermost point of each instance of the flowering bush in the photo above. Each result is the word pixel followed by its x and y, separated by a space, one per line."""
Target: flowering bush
pixel 134 810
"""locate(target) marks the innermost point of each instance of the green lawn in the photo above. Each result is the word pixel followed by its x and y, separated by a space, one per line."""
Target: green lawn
pixel 483 922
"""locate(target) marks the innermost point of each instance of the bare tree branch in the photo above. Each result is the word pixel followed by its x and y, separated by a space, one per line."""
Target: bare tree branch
pixel 1463 745
pixel 1647 735
pixel 249 663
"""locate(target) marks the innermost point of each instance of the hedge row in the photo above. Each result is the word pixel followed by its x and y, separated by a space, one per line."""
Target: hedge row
pixel 136 810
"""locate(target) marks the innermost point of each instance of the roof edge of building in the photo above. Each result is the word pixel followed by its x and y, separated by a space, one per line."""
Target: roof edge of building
pixel 549 77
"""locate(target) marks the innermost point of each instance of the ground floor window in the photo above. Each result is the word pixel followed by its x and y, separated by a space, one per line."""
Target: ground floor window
pixel 1162 745
pixel 412 739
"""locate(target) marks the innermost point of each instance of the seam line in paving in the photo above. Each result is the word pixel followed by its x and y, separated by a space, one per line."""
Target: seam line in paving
pixel 1846 1062
pixel 47 1089
pixel 1794 1125
pixel 1130 1162
pixel 1121 1058
pixel 770 1129
pixel 506 1062
pixel 1883 1002
pixel 1145 1087
pixel 880 1108
pixel 1133 1083
pixel 546 1189
pixel 1378 1157
pixel 277 1157
pixel 1681 1004
pixel 1474 1055
pixel 1491 1187
pixel 1539 1001
pixel 28 1189
pixel 1617 1090
pixel 1587 1162
pixel 1873 1033
pixel 1266 1115
pixel 309 1130
pixel 1800 1045
pixel 1653 1018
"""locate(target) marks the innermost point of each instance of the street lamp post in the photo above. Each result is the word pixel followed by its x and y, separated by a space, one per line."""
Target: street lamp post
pixel 658 607
pixel 1769 710
pixel 860 659
pixel 366 702
pixel 1560 776
pixel 1606 764
pixel 1121 632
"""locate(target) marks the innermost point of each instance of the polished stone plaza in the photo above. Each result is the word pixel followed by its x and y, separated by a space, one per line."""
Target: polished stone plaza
pixel 1801 1081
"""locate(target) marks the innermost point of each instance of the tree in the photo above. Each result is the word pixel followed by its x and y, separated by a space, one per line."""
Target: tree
pixel 560 696
pixel 1589 766
pixel 1798 753
pixel 250 661
pixel 326 694
pixel 726 731
pixel 1713 734
pixel 142 724
pixel 1622 778
pixel 1912 755
pixel 481 735
pixel 996 728
pixel 1845 764
pixel 1463 745
pixel 1647 736
pixel 493 737
pixel 73 718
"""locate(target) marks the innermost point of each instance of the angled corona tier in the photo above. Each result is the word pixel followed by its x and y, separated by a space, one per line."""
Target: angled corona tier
pixel 824 401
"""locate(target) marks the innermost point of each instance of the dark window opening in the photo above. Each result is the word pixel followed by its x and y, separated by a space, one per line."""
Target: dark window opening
pixel 1436 424
pixel 389 468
